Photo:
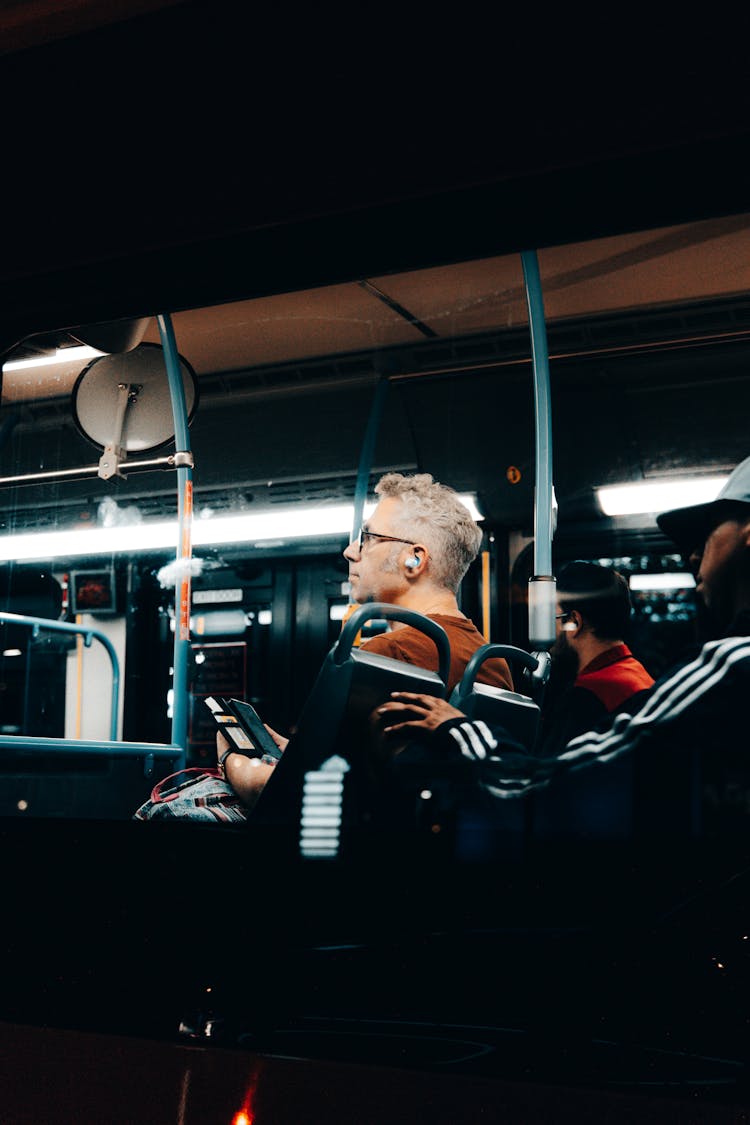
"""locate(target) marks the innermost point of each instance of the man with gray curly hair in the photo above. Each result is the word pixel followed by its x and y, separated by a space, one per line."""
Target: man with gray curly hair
pixel 413 552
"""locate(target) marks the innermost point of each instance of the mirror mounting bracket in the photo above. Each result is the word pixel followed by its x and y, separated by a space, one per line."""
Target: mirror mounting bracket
pixel 109 462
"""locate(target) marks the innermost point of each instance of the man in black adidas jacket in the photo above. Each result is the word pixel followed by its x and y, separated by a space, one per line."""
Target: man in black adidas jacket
pixel 700 704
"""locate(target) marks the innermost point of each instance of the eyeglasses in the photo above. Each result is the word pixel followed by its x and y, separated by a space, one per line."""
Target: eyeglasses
pixel 559 616
pixel 365 535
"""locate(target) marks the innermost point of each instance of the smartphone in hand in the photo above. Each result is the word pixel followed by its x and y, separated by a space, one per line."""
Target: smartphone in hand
pixel 242 726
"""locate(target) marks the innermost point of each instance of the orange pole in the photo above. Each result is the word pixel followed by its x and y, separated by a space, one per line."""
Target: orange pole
pixel 79 674
pixel 486 595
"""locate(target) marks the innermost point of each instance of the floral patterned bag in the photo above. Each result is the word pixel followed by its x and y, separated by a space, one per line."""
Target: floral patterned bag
pixel 193 794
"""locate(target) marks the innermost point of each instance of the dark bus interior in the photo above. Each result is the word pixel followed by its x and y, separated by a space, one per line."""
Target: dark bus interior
pixel 280 421
pixel 327 245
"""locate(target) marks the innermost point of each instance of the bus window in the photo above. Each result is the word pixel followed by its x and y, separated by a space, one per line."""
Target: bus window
pixel 284 387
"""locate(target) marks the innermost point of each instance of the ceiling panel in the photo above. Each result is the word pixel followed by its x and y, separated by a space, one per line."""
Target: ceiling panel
pixel 292 326
pixel 668 266
pixel 635 271
pixel 699 261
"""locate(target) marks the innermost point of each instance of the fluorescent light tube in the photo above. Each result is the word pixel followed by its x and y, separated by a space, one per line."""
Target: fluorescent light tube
pixel 257 528
pixel 62 355
pixel 470 502
pixel 677 580
pixel 657 496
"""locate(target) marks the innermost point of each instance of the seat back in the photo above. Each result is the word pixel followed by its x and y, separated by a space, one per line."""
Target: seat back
pixel 336 745
pixel 516 712
pixel 487 827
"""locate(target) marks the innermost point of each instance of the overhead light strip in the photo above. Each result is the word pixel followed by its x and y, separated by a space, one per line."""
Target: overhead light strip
pixel 658 496
pixel 62 355
pixel 672 580
pixel 259 529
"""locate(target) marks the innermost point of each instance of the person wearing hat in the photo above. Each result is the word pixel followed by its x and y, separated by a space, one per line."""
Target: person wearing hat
pixel 701 704
pixel 715 538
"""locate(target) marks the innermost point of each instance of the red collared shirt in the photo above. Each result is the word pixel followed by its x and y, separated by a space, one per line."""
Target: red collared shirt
pixel 614 676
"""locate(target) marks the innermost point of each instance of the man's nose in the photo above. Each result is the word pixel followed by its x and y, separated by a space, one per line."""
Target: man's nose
pixel 352 551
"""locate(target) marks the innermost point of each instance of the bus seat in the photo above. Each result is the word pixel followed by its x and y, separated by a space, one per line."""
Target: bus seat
pixel 516 712
pixel 487 826
pixel 337 724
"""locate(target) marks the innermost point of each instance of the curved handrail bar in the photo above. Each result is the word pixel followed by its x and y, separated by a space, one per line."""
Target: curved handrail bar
pixel 182 461
pixel 92 746
pixel 395 613
pixel 508 652
pixel 37 623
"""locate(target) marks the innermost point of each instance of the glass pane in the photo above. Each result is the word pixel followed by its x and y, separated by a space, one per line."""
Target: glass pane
pixel 284 386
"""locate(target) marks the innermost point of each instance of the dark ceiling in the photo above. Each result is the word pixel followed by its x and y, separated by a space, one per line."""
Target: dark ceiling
pixel 25 26
pixel 179 157
pixel 169 155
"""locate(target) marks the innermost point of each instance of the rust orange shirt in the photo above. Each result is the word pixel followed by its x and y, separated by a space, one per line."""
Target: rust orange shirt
pixel 415 647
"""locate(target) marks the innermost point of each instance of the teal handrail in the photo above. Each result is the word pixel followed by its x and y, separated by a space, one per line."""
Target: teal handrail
pixel 544 497
pixel 88 634
pixel 542 586
pixel 96 747
pixel 367 452
pixel 183 462
pixel 184 465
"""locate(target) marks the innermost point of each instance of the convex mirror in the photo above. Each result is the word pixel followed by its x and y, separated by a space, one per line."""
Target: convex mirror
pixel 148 422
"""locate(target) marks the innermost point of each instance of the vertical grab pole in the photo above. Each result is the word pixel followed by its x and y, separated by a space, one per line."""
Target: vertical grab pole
pixel 542 586
pixel 367 453
pixel 363 474
pixel 184 464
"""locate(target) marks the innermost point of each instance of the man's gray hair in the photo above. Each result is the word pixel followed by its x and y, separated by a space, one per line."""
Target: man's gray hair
pixel 433 514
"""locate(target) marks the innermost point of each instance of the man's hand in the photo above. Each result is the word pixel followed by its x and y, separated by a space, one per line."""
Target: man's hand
pixel 222 745
pixel 247 776
pixel 426 712
pixel 279 739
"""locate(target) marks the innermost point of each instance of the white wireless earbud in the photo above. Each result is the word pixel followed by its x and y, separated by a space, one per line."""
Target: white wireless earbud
pixel 412 562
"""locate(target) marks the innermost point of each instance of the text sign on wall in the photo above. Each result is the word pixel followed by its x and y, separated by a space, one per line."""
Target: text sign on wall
pixel 218 669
